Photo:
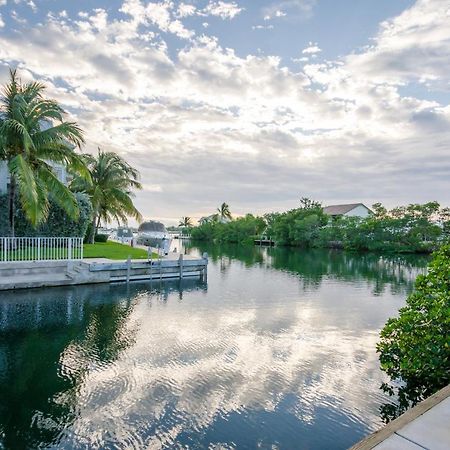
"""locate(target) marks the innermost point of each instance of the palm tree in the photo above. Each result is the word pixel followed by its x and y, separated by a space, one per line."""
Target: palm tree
pixel 110 189
pixel 224 211
pixel 185 222
pixel 29 142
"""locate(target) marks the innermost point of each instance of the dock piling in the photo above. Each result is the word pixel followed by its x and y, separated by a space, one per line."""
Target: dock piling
pixel 128 268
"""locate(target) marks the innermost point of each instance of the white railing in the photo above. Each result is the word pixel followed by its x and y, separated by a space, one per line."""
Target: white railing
pixel 40 249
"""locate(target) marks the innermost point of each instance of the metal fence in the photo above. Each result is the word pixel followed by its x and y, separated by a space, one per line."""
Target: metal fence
pixel 40 249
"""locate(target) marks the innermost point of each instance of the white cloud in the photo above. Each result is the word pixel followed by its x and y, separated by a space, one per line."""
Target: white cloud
pixel 339 128
pixel 185 10
pixel 224 10
pixel 291 9
pixel 311 49
pixel 2 24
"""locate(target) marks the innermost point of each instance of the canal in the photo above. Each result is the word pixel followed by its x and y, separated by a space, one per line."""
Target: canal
pixel 275 350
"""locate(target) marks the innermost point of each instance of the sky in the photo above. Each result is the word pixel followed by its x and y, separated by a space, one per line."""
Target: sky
pixel 253 103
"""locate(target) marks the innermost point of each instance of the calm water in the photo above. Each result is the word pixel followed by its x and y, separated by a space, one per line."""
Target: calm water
pixel 276 350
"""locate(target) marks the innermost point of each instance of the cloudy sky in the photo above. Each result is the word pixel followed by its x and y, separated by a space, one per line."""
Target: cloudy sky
pixel 256 103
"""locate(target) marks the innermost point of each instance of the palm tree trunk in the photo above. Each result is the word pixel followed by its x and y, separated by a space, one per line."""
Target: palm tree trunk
pixel 93 227
pixel 12 205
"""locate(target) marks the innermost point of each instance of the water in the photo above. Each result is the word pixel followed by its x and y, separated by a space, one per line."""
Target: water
pixel 276 350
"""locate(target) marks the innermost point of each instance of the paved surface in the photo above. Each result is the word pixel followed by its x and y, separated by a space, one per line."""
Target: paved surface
pixel 426 426
pixel 430 430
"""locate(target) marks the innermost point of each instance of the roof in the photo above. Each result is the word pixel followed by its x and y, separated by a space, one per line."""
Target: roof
pixel 335 210
pixel 151 225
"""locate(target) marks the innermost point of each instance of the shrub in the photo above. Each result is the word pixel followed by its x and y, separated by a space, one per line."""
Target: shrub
pixel 100 237
pixel 414 347
pixel 58 222
pixel 4 215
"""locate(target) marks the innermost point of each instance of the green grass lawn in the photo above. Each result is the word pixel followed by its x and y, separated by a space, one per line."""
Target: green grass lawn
pixel 113 250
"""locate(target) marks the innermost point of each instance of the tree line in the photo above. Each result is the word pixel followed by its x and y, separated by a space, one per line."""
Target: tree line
pixel 411 228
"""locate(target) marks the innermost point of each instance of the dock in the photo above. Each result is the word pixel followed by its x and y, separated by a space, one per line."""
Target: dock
pixel 426 426
pixel 33 274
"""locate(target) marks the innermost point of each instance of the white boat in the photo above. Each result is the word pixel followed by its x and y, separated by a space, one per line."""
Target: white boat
pixel 154 234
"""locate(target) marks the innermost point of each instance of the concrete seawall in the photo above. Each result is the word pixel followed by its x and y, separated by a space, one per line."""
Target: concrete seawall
pixel 32 274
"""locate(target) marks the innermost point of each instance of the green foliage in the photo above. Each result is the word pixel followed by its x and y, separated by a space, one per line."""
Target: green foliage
pixel 58 223
pixel 101 237
pixel 4 216
pixel 110 188
pixel 299 227
pixel 28 147
pixel 414 347
pixel 240 230
pixel 407 229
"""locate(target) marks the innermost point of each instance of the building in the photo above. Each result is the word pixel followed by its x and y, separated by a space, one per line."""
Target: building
pixel 348 210
pixel 59 169
pixel 4 177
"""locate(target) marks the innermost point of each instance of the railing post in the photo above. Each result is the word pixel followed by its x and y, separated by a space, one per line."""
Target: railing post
pixel 38 249
pixel 69 249
pixel 128 268
pixel 180 262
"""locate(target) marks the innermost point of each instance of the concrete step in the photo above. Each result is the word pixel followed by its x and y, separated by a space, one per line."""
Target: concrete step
pixel 22 281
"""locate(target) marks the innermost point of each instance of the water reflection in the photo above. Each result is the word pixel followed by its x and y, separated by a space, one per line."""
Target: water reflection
pixel 380 271
pixel 278 351
pixel 50 343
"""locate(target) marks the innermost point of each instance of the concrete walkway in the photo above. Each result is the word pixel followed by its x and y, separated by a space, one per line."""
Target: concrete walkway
pixel 426 426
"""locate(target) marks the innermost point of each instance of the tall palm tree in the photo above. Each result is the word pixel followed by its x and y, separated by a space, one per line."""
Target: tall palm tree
pixel 224 211
pixel 110 189
pixel 185 222
pixel 29 142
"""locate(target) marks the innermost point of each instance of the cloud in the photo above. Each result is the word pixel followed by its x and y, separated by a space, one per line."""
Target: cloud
pixel 224 10
pixel 208 124
pixel 2 24
pixel 311 49
pixel 290 9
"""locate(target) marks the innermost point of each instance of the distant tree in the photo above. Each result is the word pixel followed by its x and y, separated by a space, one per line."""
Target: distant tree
pixel 110 189
pixel 379 211
pixel 307 203
pixel 224 211
pixel 185 222
pixel 28 142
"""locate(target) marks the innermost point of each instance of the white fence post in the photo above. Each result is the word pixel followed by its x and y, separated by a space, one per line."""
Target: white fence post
pixel 40 248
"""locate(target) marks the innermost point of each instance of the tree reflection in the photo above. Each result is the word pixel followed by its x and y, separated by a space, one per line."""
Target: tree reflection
pixel 381 271
pixel 49 341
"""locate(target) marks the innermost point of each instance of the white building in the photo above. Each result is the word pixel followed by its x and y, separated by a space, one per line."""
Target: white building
pixel 59 169
pixel 4 177
pixel 349 210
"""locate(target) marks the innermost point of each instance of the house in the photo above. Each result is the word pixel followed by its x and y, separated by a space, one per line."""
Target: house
pixel 348 210
pixel 59 169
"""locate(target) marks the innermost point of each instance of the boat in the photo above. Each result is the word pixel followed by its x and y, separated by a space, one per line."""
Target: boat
pixel 154 234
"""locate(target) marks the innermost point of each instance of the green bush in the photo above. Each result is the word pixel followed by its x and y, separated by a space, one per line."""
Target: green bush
pixel 240 230
pixel 4 215
pixel 57 223
pixel 101 237
pixel 414 347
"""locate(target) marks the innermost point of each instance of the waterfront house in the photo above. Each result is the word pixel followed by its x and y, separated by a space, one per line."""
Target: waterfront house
pixel 59 169
pixel 347 210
